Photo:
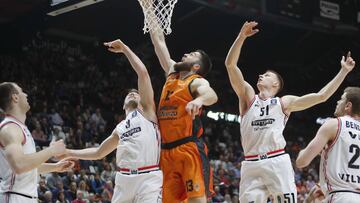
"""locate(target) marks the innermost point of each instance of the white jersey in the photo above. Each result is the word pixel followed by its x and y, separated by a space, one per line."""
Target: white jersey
pixel 340 162
pixel 262 126
pixel 139 143
pixel 25 183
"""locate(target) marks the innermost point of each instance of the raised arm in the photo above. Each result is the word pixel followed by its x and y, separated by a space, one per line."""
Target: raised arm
pixel 326 133
pixel 296 103
pixel 11 138
pixel 161 50
pixel 204 95
pixel 243 90
pixel 158 40
pixel 96 153
pixel 144 83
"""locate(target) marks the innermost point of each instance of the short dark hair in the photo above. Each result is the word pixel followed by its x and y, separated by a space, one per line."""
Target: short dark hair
pixel 205 63
pixel 128 91
pixel 7 89
pixel 280 79
pixel 353 96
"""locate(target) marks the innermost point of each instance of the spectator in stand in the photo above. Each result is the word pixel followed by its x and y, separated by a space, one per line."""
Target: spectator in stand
pixel 56 118
pixel 79 198
pixel 71 194
pixel 83 188
pixel 42 189
pixel 53 180
pixel 97 184
pixel 108 192
pixel 107 174
pixel 39 136
pixel 61 198
pixel 70 177
pixel 47 197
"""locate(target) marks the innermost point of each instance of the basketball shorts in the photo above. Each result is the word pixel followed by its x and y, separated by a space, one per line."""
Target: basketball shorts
pixel 187 172
pixel 342 197
pixel 262 178
pixel 138 188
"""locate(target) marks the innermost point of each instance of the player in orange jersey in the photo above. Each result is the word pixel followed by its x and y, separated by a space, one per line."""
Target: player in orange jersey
pixel 184 161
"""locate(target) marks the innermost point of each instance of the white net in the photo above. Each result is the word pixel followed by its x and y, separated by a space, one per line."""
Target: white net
pixel 157 14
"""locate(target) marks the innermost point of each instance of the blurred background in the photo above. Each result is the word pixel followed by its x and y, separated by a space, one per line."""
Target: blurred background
pixel 54 50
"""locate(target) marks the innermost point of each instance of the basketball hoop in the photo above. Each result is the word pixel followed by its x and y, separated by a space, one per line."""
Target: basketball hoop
pixel 157 14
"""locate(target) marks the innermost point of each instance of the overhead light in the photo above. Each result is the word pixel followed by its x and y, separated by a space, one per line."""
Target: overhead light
pixel 223 116
pixel 73 7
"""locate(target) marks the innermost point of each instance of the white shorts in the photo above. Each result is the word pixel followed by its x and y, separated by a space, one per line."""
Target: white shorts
pixel 342 197
pixel 273 176
pixel 13 198
pixel 140 188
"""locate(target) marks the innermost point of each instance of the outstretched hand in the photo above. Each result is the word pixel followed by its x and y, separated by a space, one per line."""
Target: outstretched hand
pixel 57 147
pixel 64 166
pixel 347 62
pixel 193 108
pixel 116 46
pixel 315 194
pixel 248 29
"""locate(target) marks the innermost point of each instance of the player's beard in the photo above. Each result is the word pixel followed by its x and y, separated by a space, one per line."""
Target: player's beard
pixel 182 66
pixel 131 105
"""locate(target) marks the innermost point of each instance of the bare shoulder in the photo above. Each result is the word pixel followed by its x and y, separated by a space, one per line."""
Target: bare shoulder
pixel 331 124
pixel 197 83
pixel 10 133
pixel 286 99
pixel 330 128
pixel 200 82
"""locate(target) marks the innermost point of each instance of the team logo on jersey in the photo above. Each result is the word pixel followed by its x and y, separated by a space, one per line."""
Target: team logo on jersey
pixel 134 114
pixel 197 187
pixel 130 133
pixel 273 101
pixel 167 113
pixel 263 122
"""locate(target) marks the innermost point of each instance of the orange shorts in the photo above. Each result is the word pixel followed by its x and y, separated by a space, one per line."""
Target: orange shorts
pixel 187 172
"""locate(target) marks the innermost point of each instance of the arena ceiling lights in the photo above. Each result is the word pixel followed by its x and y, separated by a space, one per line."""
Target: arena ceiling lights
pixel 67 8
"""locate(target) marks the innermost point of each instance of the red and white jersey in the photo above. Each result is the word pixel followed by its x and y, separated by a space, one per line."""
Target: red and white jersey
pixel 139 142
pixel 340 161
pixel 25 183
pixel 262 126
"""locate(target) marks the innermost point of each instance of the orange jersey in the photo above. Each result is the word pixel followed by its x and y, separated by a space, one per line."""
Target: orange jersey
pixel 174 121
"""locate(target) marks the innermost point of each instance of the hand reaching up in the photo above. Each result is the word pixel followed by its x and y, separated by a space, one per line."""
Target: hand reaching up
pixel 248 29
pixel 347 62
pixel 116 46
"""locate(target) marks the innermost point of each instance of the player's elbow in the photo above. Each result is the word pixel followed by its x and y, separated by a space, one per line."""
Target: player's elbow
pixel 143 73
pixel 229 63
pixel 215 98
pixel 321 97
